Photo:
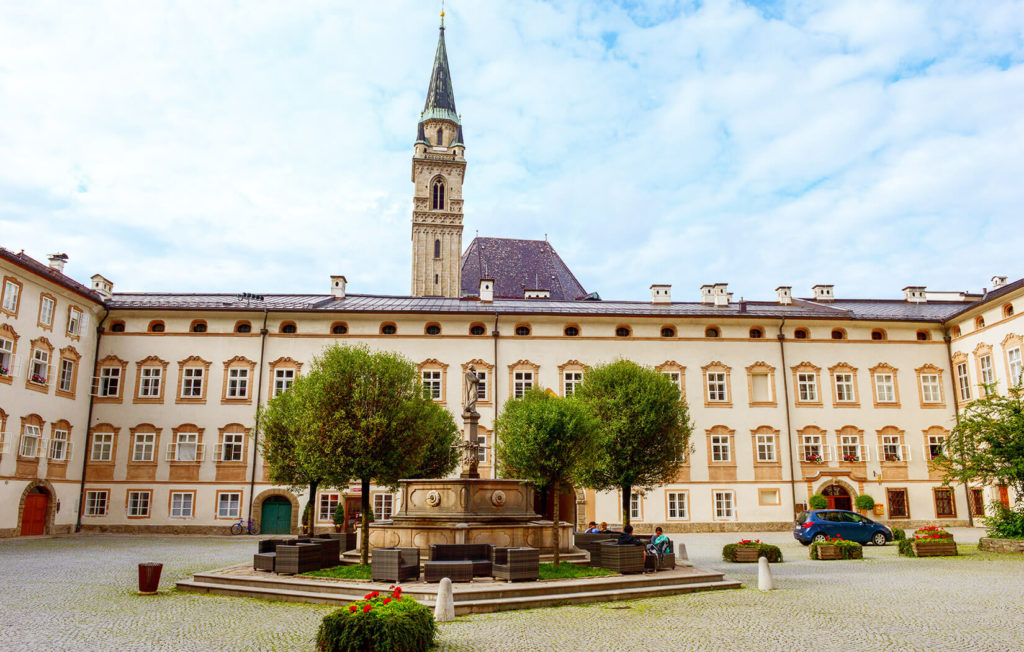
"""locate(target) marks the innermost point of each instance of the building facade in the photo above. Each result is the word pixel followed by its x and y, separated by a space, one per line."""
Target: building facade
pixel 137 412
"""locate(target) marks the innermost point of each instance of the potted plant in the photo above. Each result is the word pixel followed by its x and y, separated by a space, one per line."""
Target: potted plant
pixel 933 541
pixel 864 503
pixel 818 501
pixel 339 517
pixel 812 458
pixel 892 457
pixel 750 550
pixel 378 622
pixel 836 548
pixel 851 457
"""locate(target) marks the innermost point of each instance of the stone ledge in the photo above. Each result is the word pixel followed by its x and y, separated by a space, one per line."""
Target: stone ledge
pixel 988 544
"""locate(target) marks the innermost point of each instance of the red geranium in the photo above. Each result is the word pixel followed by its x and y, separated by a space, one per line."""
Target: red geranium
pixel 352 607
pixel 387 600
pixel 366 608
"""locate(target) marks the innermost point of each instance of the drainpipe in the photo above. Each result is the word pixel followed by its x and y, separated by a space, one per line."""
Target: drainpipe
pixel 88 423
pixel 494 400
pixel 259 399
pixel 956 411
pixel 789 427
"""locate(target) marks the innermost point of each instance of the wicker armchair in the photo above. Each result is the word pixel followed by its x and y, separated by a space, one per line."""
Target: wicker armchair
pixel 298 558
pixel 264 561
pixel 516 564
pixel 478 553
pixel 622 559
pixel 592 544
pixel 331 549
pixel 395 564
pixel 270 545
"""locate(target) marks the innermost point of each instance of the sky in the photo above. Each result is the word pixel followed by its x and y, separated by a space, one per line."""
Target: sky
pixel 262 146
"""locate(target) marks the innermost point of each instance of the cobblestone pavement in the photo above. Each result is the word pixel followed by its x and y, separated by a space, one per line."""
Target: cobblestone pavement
pixel 79 594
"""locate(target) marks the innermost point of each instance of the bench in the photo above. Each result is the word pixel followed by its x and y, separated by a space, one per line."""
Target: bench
pixel 516 564
pixel 477 553
pixel 456 571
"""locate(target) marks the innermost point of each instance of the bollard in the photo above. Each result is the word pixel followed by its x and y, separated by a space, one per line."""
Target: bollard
pixel 764 575
pixel 444 607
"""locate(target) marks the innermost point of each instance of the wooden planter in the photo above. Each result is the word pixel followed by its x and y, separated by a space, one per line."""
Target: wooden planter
pixel 747 554
pixel 935 548
pixel 827 552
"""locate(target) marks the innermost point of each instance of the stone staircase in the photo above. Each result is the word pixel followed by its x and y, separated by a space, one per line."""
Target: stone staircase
pixel 479 596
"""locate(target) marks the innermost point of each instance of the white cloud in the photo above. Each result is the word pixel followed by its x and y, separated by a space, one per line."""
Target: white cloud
pixel 205 146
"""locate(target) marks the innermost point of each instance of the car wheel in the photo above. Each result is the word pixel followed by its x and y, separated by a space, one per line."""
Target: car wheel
pixel 878 539
pixel 820 537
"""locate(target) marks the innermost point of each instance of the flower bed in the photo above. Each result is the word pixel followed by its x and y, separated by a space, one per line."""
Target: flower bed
pixel 836 548
pixel 747 551
pixel 378 623
pixel 930 541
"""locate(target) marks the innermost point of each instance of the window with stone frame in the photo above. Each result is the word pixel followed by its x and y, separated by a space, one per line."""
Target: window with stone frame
pixel 229 504
pixel 481 388
pixel 96 502
pixel 11 296
pixel 144 447
pixel 766 449
pixel 283 380
pixel 570 381
pixel 182 504
pixel 725 505
pixel 150 381
pixel 1015 366
pixel 185 447
pixel 30 437
pixel 936 446
pixel 481 451
pixel 850 447
pixel 75 319
pixel 60 446
pixel 138 503
pixel 383 506
pixel 6 357
pixel 963 380
pixel 39 367
pixel 328 503
pixel 883 378
pixel 807 387
pixel 432 383
pixel 232 446
pixel 238 383
pixel 192 382
pixel 677 507
pixel 108 383
pixel 844 385
pixel 522 382
pixel 813 444
pixel 47 305
pixel 102 447
pixel 899 506
pixel 986 374
pixel 931 388
pixel 945 505
pixel 66 380
pixel 892 446
pixel 721 448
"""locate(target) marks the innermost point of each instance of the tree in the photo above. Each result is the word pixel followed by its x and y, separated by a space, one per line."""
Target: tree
pixel 644 428
pixel 547 440
pixel 367 413
pixel 987 446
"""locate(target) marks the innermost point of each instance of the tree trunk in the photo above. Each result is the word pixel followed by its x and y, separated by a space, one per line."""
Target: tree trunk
pixel 313 484
pixel 556 486
pixel 627 502
pixel 364 527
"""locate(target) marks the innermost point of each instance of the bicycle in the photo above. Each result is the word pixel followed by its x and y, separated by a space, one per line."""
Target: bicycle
pixel 242 526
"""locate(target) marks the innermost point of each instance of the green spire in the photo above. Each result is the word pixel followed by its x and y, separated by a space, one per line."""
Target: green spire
pixel 440 95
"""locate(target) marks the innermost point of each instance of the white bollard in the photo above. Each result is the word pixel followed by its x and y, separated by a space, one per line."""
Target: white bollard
pixel 764 575
pixel 444 607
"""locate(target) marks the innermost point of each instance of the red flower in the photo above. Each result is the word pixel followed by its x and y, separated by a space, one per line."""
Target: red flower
pixel 398 591
pixel 366 608
pixel 387 600
pixel 398 597
pixel 352 607
pixel 368 596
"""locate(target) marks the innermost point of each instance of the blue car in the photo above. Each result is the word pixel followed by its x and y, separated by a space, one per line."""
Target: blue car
pixel 816 524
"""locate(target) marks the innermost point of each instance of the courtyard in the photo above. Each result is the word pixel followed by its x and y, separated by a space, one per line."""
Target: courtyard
pixel 79 593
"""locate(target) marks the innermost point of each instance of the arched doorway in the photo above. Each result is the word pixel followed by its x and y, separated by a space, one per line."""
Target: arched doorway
pixel 276 515
pixel 838 497
pixel 35 511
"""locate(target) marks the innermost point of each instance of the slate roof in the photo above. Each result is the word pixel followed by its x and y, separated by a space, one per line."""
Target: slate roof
pixel 440 94
pixel 50 274
pixel 517 266
pixel 365 303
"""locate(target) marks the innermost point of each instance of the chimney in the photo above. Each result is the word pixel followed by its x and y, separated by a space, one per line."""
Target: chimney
pixel 338 284
pixel 661 293
pixel 785 293
pixel 823 293
pixel 487 290
pixel 57 262
pixel 915 294
pixel 722 294
pixel 707 294
pixel 100 285
pixel 998 282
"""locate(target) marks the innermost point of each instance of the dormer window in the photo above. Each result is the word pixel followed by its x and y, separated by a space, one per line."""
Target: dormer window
pixel 437 197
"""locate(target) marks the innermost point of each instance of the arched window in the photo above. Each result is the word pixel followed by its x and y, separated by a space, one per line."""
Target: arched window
pixel 756 333
pixel 198 326
pixel 289 327
pixel 571 331
pixel 668 331
pixel 711 331
pixel 979 322
pixel 440 137
pixel 243 327
pixel 477 329
pixel 388 328
pixel 623 331
pixel 341 328
pixel 437 248
pixel 117 327
pixel 1008 310
pixel 801 334
pixel 956 331
pixel 923 336
pixel 437 195
pixel 878 334
pixel 838 334
pixel 433 329
pixel 522 330
pixel 156 327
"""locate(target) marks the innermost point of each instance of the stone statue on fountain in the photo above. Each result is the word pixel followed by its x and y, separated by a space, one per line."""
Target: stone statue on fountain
pixel 470 445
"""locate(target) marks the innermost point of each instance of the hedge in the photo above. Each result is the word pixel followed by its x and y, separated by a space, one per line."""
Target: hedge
pixel 850 549
pixel 379 623
pixel 773 553
pixel 864 502
pixel 907 547
pixel 817 501
pixel 898 534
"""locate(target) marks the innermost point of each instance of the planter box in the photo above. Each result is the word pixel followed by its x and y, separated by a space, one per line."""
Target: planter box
pixel 935 548
pixel 1001 545
pixel 829 552
pixel 745 554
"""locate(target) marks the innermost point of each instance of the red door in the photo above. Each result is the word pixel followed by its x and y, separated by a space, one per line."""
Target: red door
pixel 33 518
pixel 1004 495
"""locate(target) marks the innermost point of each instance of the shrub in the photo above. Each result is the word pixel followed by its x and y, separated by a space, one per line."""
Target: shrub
pixel 907 547
pixel 931 532
pixel 849 549
pixel 380 623
pixel 1005 523
pixel 773 553
pixel 864 502
pixel 898 534
pixel 818 501
pixel 339 514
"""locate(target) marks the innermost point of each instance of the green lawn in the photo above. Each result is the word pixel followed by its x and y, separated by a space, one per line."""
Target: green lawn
pixel 564 570
pixel 354 572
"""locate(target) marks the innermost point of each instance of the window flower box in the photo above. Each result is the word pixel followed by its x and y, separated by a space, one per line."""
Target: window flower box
pixel 37 379
pixel 812 458
pixel 890 457
pixel 4 371
pixel 851 458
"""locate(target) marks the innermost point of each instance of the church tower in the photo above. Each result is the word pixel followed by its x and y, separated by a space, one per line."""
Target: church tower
pixel 438 169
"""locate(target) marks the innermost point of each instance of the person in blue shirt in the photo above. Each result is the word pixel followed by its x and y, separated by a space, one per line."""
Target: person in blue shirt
pixel 592 528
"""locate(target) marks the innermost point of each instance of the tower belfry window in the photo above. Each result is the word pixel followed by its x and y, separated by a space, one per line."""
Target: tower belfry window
pixel 437 248
pixel 440 137
pixel 437 195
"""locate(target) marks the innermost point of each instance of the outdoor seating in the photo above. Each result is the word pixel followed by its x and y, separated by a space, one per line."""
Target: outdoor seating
pixel 264 561
pixel 298 558
pixel 592 544
pixel 270 545
pixel 622 559
pixel 331 549
pixel 478 553
pixel 395 564
pixel 516 564
pixel 456 571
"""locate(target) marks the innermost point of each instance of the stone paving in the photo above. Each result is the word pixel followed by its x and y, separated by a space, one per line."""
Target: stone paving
pixel 79 594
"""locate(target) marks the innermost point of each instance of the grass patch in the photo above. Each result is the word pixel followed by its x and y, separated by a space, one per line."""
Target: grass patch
pixel 353 572
pixel 565 571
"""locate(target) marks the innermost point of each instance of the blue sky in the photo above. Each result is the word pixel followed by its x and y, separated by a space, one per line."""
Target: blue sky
pixel 262 146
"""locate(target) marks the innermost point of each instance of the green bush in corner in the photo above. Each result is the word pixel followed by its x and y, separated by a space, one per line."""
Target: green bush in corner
pixel 906 547
pixel 898 534
pixel 864 502
pixel 380 623
pixel 818 501
pixel 773 553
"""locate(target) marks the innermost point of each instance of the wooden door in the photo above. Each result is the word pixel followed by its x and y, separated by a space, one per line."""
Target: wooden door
pixel 1004 495
pixel 977 502
pixel 837 497
pixel 276 516
pixel 33 517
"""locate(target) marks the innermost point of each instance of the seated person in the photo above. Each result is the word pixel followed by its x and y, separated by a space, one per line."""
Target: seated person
pixel 627 538
pixel 661 542
pixel 592 528
pixel 604 529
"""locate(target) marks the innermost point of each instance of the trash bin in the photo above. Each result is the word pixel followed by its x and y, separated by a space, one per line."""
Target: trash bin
pixel 149 578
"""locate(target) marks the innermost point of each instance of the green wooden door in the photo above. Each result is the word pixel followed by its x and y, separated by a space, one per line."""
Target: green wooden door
pixel 276 516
